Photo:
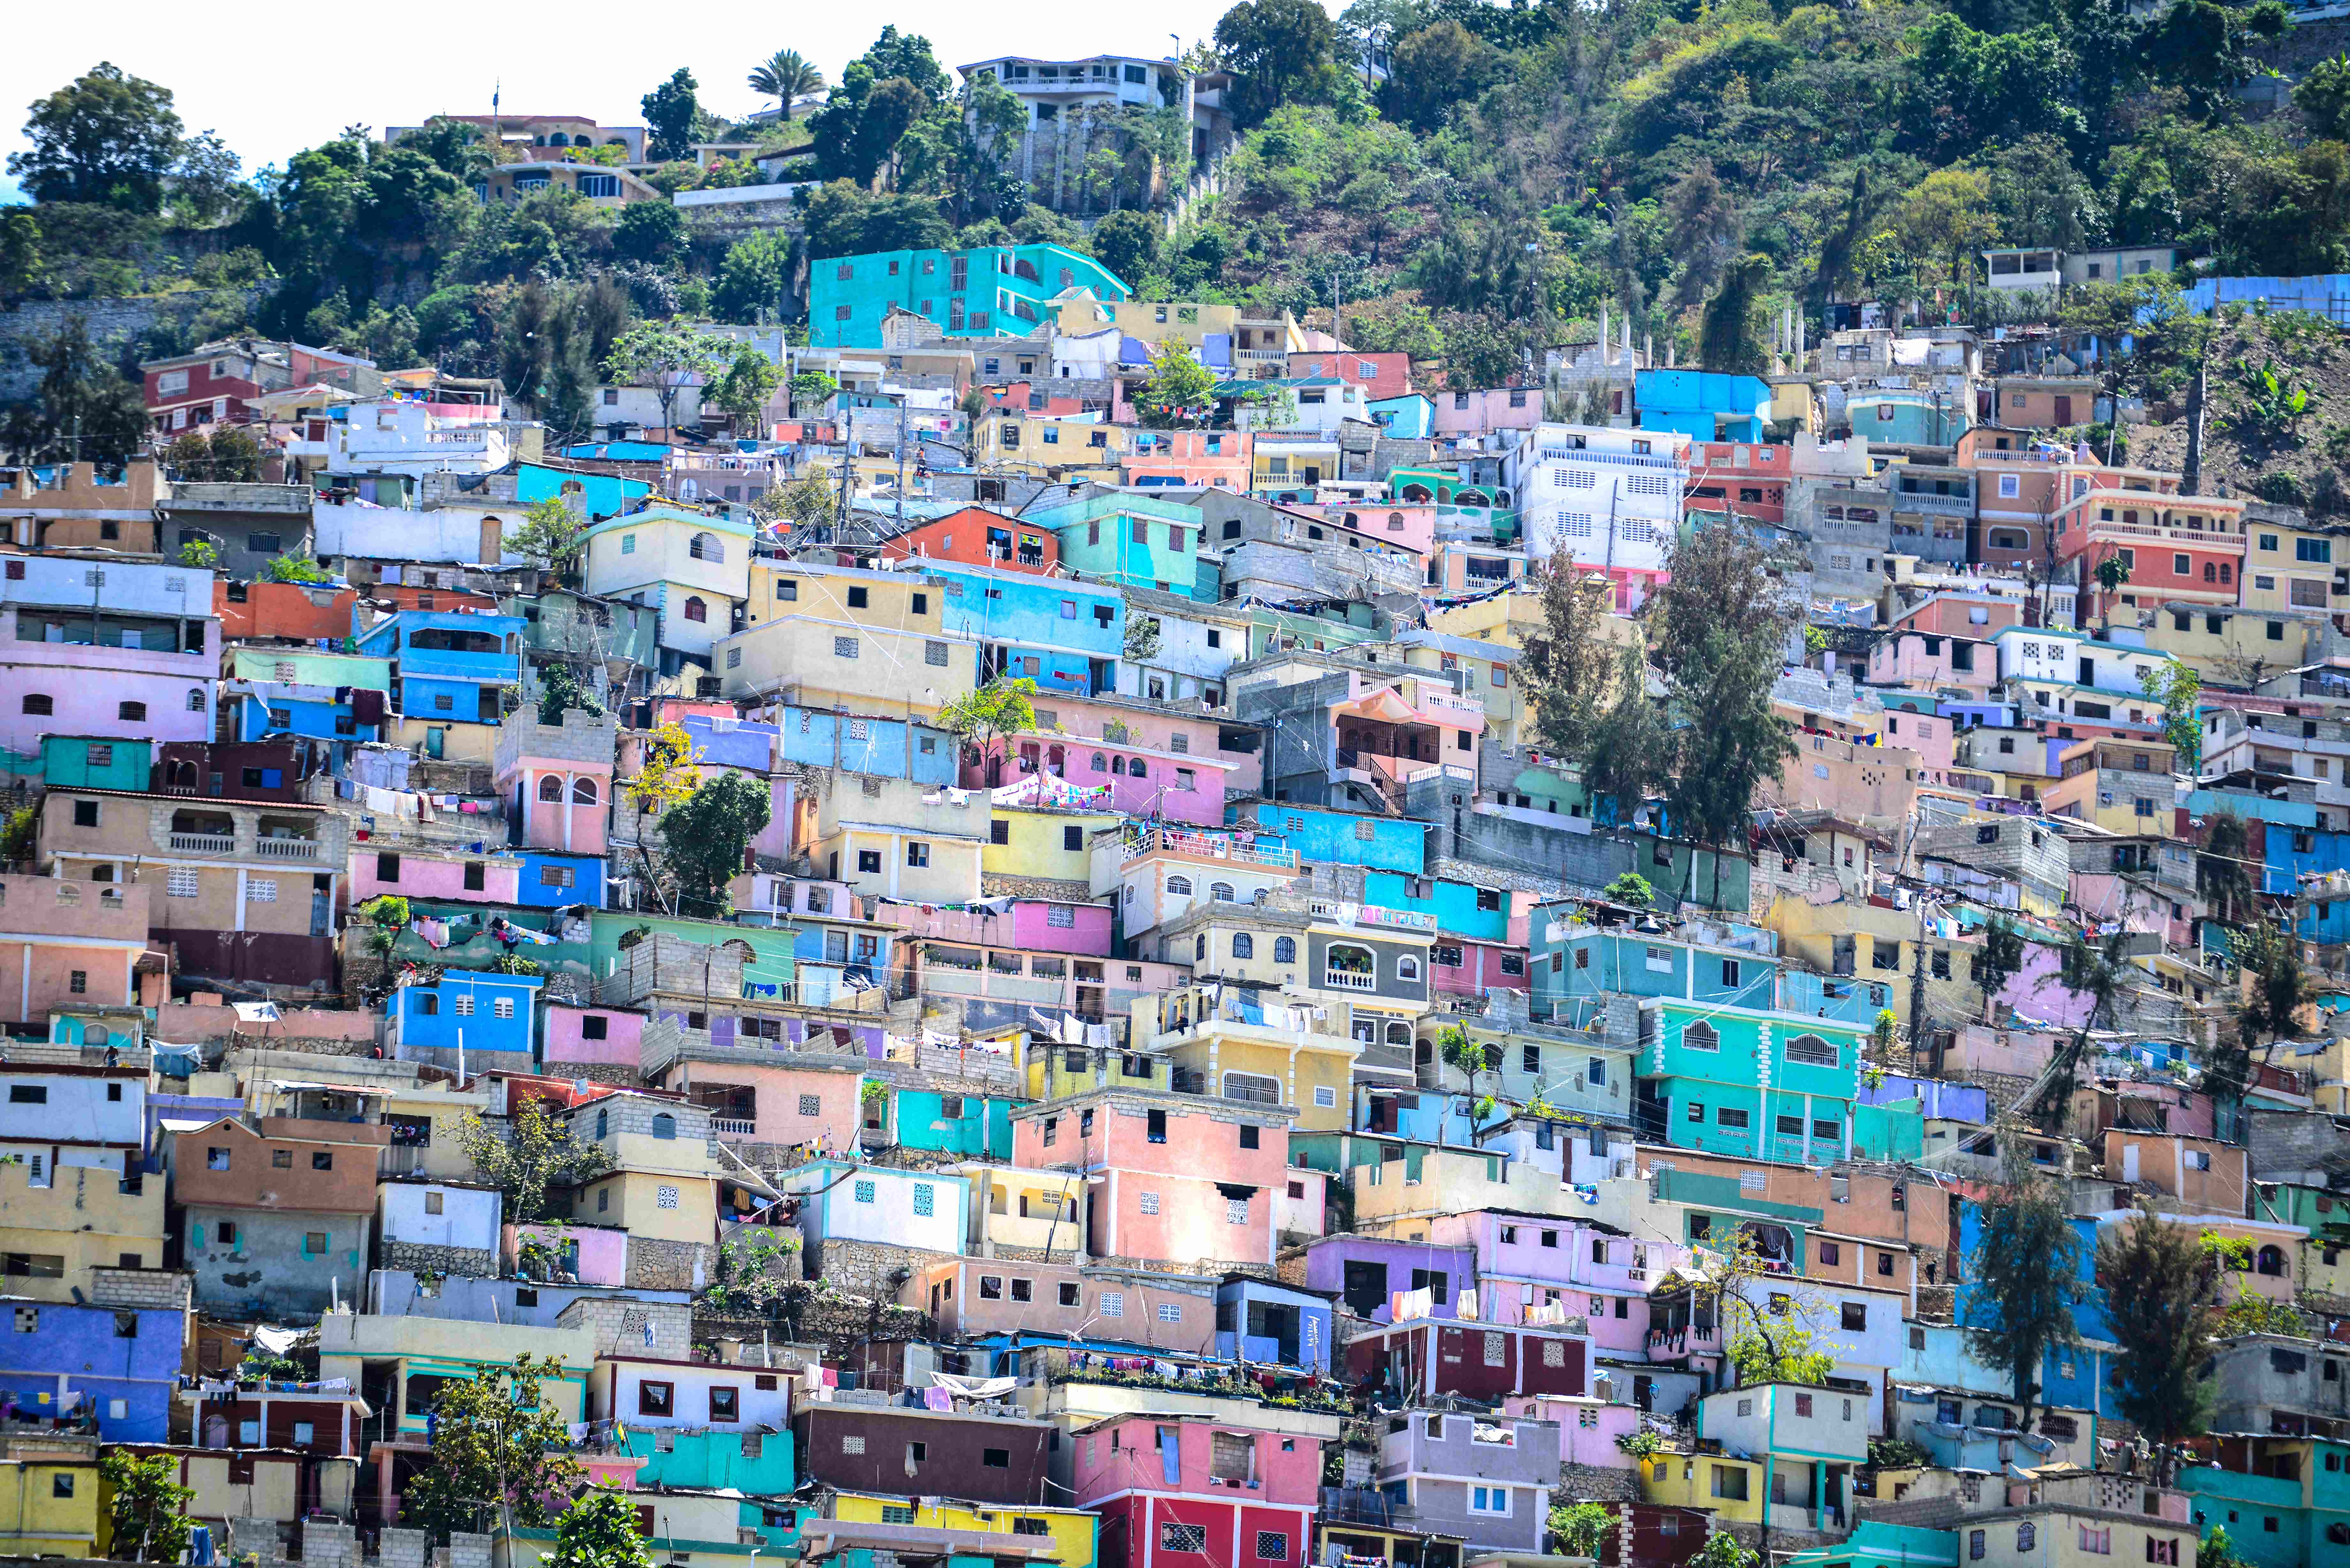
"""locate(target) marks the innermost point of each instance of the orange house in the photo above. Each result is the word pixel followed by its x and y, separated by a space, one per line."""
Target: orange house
pixel 977 536
pixel 297 612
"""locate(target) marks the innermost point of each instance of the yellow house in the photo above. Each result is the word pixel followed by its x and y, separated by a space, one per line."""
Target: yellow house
pixel 2290 567
pixel 894 838
pixel 1266 1064
pixel 1878 949
pixel 1068 449
pixel 409 1355
pixel 1731 1488
pixel 82 1218
pixel 1397 1199
pixel 1017 1213
pixel 1053 1072
pixel 52 1507
pixel 868 642
pixel 2228 646
pixel 1044 841
pixel 1070 1530
pixel 1488 669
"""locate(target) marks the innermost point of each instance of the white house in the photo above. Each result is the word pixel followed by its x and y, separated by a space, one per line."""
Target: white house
pixel 2049 653
pixel 415 438
pixel 458 1215
pixel 695 569
pixel 1610 499
pixel 640 1391
pixel 873 1203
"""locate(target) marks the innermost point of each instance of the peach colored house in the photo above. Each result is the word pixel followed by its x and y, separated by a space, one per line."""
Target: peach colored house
pixel 1184 1179
pixel 557 780
pixel 1875 787
pixel 1409 527
pixel 68 944
pixel 381 865
pixel 1587 1427
pixel 1189 459
pixel 1930 661
pixel 805 1099
pixel 1499 409
pixel 2194 1175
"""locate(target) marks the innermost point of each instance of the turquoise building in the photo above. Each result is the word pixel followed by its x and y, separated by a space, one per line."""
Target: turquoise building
pixel 994 291
pixel 979 1129
pixel 1135 540
pixel 2291 1512
pixel 1703 405
pixel 1742 1081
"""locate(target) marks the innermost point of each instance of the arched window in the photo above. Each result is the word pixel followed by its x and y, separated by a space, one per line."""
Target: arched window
pixel 603 1123
pixel 1407 969
pixel 1100 764
pixel 665 1126
pixel 2270 1260
pixel 1699 1035
pixel 1284 949
pixel 1352 967
pixel 1200 949
pixel 131 712
pixel 196 700
pixel 706 547
pixel 582 791
pixel 2338 1533
pixel 1395 521
pixel 1399 1033
pixel 1221 892
pixel 40 705
pixel 1243 945
pixel 1135 770
pixel 1812 1051
pixel 550 788
pixel 696 611
pixel 1179 887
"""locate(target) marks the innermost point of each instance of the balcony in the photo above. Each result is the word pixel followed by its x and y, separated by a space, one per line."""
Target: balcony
pixel 1920 501
pixel 1347 979
pixel 285 849
pixel 204 842
pixel 731 1127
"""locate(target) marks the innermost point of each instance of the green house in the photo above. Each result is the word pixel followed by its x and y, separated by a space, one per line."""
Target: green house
pixel 78 761
pixel 969 1126
pixel 1747 1082
pixel 993 291
pixel 1135 540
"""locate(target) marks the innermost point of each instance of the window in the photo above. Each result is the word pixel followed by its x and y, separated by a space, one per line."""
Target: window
pixel 1273 1546
pixel 1174 1537
pixel 1489 1500
pixel 2099 1541
pixel 1856 1317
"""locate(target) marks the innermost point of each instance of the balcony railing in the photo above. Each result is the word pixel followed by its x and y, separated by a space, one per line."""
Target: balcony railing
pixel 285 849
pixel 731 1127
pixel 1344 980
pixel 204 842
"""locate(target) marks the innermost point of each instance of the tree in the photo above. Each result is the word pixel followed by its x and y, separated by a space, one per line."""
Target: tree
pixel 1732 742
pixel 1181 393
pixel 1565 671
pixel 560 690
pixel 1576 1529
pixel 706 835
pixel 83 410
pixel 2111 573
pixel 1279 51
pixel 201 553
pixel 2276 989
pixel 1629 888
pixel 2323 95
pixel 295 568
pixel 670 111
pixel 665 777
pixel 533 1153
pixel 2178 688
pixel 1435 68
pixel 650 232
pixel 754 277
pixel 107 138
pixel 1722 1549
pixel 1730 337
pixel 664 358
pixel 2021 1275
pixel 1949 218
pixel 500 1453
pixel 146 1506
pixel 783 76
pixel 550 534
pixel 2160 1300
pixel 995 711
pixel 1127 244
pixel 1632 744
pixel 801 502
pixel 747 385
pixel 2222 874
pixel 203 187
pixel 1999 959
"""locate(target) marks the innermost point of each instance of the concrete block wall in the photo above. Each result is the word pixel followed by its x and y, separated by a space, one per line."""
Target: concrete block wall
pixel 326 1546
pixel 468 1551
pixel 259 1536
pixel 659 1265
pixel 618 1323
pixel 164 1289
pixel 404 1548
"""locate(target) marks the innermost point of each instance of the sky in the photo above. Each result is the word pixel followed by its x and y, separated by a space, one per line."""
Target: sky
pixel 272 82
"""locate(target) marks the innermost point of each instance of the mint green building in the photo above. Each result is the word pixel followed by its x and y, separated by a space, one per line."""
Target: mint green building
pixel 1744 1081
pixel 994 291
pixel 1135 540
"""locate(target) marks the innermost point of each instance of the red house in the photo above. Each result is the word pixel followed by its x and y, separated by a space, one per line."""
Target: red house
pixel 1190 1491
pixel 216 384
pixel 1652 1535
pixel 1379 375
pixel 1480 1360
pixel 979 537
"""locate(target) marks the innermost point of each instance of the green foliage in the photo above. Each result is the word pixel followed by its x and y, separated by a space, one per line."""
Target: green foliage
pixel 146 1505
pixel 109 138
pixel 1722 1549
pixel 706 836
pixel 18 830
pixel 656 354
pixel 1896 1454
pixel 1002 708
pixel 2323 95
pixel 561 690
pixel 1279 52
pixel 549 535
pixel 1181 393
pixel 803 501
pixel 2222 873
pixel 2025 1259
pixel 754 278
pixel 499 1452
pixel 745 389
pixel 1576 1529
pixel 294 569
pixel 386 916
pixel 2219 1551
pixel 671 111
pixel 755 1272
pixel 1639 1444
pixel 2159 1302
pixel 84 409
pixel 1630 889
pixel 536 1155
pixel 1127 244
pixel 2251 1313
pixel 2270 401
pixel 783 76
pixel 651 231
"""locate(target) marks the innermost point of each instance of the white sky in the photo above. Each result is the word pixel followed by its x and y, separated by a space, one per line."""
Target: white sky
pixel 273 81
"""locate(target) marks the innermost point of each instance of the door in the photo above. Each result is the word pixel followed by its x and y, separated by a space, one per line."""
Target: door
pixel 494 541
pixel 2088 673
pixel 435 740
pixel 2063 409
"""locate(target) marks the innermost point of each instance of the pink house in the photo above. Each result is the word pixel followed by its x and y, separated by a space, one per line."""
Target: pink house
pixel 1143 779
pixel 1182 1179
pixel 596 1255
pixel 1034 925
pixel 557 779
pixel 1525 1260
pixel 1465 967
pixel 1587 1427
pixel 379 865
pixel 1190 459
pixel 68 944
pixel 1926 662
pixel 1400 525
pixel 1933 737
pixel 1960 615
pixel 139 663
pixel 599 1043
pixel 1476 413
pixel 1192 1492
pixel 790 1099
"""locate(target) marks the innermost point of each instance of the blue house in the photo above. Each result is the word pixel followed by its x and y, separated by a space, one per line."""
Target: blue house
pixel 605 495
pixel 271 709
pixel 1593 960
pixel 1703 405
pixel 885 748
pixel 122 1363
pixel 1064 635
pixel 491 1017
pixel 1411 417
pixel 1264 1321
pixel 1319 833
pixel 558 881
pixel 447 667
pixel 1460 908
pixel 979 1129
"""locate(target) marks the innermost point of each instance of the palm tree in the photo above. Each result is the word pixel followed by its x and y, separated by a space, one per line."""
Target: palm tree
pixel 785 75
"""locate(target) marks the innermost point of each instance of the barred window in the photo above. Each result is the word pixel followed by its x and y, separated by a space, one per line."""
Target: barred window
pixel 843 648
pixel 1811 1050
pixel 811 1104
pixel 1148 1202
pixel 1496 1347
pixel 1061 916
pixel 183 885
pixel 1174 1537
pixel 865 1192
pixel 925 1203
pixel 1553 1353
pixel 665 1197
pixel 261 890
pixel 1273 1546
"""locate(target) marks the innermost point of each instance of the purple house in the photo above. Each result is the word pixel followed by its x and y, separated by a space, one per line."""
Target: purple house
pixel 1364 1272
